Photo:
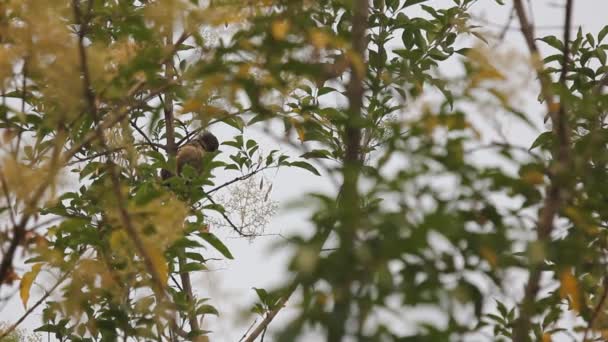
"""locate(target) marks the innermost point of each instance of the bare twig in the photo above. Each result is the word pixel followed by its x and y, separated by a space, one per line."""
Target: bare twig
pixel 234 227
pixel 507 25
pixel 152 144
pixel 248 330
pixel 237 179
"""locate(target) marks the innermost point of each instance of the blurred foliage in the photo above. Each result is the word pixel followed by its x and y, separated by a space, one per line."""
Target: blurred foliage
pixel 95 94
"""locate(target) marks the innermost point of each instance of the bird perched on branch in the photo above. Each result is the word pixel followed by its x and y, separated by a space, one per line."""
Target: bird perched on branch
pixel 193 153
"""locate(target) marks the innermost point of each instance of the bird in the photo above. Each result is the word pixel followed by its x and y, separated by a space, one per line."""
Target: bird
pixel 193 153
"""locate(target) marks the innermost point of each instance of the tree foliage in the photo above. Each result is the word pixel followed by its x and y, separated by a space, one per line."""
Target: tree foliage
pixel 98 96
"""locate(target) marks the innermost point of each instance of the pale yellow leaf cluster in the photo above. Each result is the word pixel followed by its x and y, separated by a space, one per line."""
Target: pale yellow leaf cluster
pixel 160 220
pixel 227 12
pixel 162 15
pixel 22 180
pixel 501 72
pixel 104 61
pixel 280 28
pixel 90 280
pixel 159 223
pixel 121 139
pixel 41 37
pixel 484 68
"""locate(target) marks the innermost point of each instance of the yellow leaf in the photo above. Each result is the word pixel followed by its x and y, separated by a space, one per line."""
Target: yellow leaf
pixel 159 263
pixel 193 105
pixel 118 240
pixel 489 255
pixel 356 63
pixel 301 133
pixel 547 337
pixel 244 71
pixel 279 29
pixel 533 177
pixel 569 288
pixel 319 39
pixel 26 283
pixel 554 107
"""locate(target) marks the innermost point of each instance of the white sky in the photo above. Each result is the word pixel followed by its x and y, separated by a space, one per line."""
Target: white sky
pixel 256 266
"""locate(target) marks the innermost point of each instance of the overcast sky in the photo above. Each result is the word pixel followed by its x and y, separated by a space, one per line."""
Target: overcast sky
pixel 230 284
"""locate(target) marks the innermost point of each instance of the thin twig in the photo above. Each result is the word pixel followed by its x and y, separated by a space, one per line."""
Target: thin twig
pixel 171 149
pixel 8 199
pixel 234 227
pixel 152 144
pixel 237 179
pixel 33 307
pixel 248 330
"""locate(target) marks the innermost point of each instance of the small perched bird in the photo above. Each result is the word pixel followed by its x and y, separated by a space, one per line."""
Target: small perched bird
pixel 193 152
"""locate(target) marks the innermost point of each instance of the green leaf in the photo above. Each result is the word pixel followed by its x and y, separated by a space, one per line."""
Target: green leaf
pixel 317 154
pixel 207 309
pixel 601 55
pixel 262 294
pixel 603 32
pixel 553 41
pixel 193 267
pixel 408 3
pixel 217 244
pixel 543 140
pixel 326 90
pixel 306 166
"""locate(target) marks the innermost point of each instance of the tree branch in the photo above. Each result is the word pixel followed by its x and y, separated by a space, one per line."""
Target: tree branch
pixel 272 314
pixel 157 284
pixel 64 158
pixel 555 192
pixel 171 149
pixel 236 179
pixel 152 144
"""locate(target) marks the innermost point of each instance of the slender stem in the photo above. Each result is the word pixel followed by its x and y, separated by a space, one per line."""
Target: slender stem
pixel 349 202
pixel 272 314
pixel 555 192
pixel 36 305
pixel 597 309
pixel 171 149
